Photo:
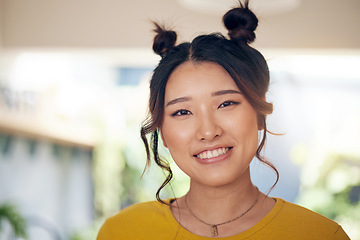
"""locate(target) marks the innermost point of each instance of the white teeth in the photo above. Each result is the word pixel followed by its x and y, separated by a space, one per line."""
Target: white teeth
pixel 214 153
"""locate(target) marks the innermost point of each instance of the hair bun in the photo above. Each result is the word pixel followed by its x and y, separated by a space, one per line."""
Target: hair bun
pixel 241 23
pixel 164 40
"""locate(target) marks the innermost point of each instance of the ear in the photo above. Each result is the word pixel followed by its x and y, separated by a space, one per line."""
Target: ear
pixel 162 138
pixel 261 118
pixel 260 122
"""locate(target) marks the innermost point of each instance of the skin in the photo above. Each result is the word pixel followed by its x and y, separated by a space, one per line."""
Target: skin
pixel 205 112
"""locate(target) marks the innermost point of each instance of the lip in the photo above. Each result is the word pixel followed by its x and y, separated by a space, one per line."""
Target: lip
pixel 213 159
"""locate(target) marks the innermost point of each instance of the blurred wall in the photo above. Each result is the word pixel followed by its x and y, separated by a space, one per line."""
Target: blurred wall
pixel 50 183
pixel 1 22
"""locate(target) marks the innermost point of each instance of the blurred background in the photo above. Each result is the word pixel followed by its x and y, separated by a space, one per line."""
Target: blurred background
pixel 73 92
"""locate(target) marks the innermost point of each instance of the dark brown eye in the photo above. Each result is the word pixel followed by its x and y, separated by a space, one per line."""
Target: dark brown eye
pixel 181 112
pixel 227 103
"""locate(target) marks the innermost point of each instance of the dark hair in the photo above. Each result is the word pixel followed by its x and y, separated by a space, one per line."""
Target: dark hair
pixel 246 66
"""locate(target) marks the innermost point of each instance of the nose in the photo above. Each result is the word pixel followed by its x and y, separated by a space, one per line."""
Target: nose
pixel 209 127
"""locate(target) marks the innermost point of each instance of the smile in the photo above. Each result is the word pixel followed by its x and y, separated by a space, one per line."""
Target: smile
pixel 213 153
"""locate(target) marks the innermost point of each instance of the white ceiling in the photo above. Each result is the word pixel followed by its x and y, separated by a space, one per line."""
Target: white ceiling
pixel 119 23
pixel 217 7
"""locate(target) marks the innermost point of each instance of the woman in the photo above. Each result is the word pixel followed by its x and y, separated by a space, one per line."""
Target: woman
pixel 207 104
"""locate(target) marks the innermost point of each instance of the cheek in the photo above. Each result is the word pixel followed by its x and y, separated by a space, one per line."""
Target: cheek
pixel 252 141
pixel 245 131
pixel 176 136
pixel 241 123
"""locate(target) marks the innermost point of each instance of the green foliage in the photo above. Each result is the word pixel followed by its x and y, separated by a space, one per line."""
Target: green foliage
pixel 336 184
pixel 9 212
pixel 330 186
pixel 87 233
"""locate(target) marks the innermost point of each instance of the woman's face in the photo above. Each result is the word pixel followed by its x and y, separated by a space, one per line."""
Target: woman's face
pixel 208 126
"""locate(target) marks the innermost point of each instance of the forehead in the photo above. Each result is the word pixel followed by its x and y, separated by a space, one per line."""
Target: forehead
pixel 192 77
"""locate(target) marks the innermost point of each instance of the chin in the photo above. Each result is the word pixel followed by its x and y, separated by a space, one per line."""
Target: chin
pixel 218 181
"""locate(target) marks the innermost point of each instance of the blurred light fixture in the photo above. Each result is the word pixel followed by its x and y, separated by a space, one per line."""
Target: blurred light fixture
pixel 263 7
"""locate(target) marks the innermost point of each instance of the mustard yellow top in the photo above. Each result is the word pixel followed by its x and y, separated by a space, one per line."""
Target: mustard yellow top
pixel 153 220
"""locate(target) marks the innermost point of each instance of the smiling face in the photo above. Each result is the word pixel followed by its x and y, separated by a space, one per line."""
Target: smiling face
pixel 208 125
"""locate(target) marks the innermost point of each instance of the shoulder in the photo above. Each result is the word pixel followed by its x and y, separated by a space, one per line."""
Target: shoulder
pixel 137 212
pixel 296 212
pixel 306 222
pixel 136 221
pixel 145 208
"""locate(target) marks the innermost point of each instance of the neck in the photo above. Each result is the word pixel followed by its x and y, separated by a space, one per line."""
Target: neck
pixel 224 203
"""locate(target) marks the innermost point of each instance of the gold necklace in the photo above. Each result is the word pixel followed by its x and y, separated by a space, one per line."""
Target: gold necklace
pixel 214 227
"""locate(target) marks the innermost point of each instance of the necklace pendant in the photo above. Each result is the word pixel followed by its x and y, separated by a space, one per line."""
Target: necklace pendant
pixel 214 231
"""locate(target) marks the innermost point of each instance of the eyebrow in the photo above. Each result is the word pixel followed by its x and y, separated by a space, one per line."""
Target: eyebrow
pixel 223 92
pixel 217 93
pixel 178 100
